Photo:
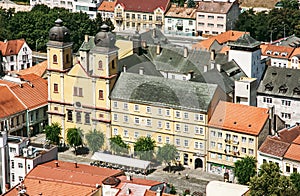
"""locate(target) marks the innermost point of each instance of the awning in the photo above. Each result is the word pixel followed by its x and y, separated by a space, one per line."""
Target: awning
pixel 122 161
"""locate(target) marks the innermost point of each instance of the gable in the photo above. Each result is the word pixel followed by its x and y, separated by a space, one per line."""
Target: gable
pixel 77 71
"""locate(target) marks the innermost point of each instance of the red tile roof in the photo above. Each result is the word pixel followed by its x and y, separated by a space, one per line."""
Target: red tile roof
pixel 139 181
pixel 214 7
pixel 107 6
pixel 270 144
pixel 293 152
pixel 283 52
pixel 288 135
pixel 11 47
pixel 153 193
pixel 33 93
pixel 239 118
pixel 64 178
pixel 9 103
pixel 297 140
pixel 38 69
pixel 147 6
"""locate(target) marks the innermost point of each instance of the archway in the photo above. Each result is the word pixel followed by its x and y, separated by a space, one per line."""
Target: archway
pixel 198 163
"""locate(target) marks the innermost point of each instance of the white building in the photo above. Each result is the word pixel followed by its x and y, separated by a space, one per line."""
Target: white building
pixel 67 4
pixel 19 157
pixel 245 91
pixel 106 9
pixel 280 90
pixel 279 55
pixel 180 21
pixel 16 55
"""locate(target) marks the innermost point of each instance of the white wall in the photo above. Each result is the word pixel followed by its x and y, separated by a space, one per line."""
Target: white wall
pixel 269 158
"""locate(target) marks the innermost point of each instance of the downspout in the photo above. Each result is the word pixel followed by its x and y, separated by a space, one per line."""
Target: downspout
pixel 27 123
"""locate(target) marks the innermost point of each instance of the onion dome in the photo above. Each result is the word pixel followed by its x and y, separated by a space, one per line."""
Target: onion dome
pixel 105 38
pixel 59 32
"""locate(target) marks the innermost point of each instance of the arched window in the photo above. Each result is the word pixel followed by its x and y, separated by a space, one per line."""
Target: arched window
pixel 54 58
pixel 100 65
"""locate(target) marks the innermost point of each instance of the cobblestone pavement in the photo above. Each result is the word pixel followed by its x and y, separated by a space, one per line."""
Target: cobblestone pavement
pixel 197 179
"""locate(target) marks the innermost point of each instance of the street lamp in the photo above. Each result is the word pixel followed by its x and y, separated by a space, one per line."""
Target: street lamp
pixel 271 36
pixel 36 43
pixel 283 29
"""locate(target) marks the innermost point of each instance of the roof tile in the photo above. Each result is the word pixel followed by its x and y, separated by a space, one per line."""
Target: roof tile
pixel 147 6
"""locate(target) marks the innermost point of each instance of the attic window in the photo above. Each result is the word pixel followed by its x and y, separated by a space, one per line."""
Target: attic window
pixel 283 88
pixel 274 73
pixel 249 125
pixel 269 52
pixel 284 54
pixel 269 86
pixel 234 122
pixel 288 75
pixel 296 91
pixel 276 53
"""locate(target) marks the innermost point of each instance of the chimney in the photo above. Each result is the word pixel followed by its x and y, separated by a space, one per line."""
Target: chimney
pixel 205 68
pixel 191 74
pixel 185 52
pixel 154 33
pixel 141 71
pixel 86 38
pixel 124 68
pixel 219 67
pixel 56 164
pixel 158 191
pixel 212 55
pixel 158 49
pixel 128 177
pixel 75 164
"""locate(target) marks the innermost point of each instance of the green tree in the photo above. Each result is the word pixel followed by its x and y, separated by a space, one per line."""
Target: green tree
pixel 244 169
pixel 167 153
pixel 74 137
pixel 95 140
pixel 117 145
pixel 269 181
pixel 290 4
pixel 53 132
pixel 144 148
pixel 191 3
pixel 295 178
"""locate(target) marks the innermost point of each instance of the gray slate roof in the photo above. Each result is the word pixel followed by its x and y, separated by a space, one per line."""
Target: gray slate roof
pixel 280 82
pixel 160 38
pixel 164 92
pixel 171 59
pixel 245 41
pixel 291 41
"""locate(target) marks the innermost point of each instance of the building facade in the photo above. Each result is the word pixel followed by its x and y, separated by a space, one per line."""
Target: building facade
pixel 180 21
pixel 16 55
pixel 106 9
pixel 78 94
pixel 157 107
pixel 129 14
pixel 235 131
pixel 215 17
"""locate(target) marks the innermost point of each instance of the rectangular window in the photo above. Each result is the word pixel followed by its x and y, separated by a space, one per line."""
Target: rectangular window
pixel 186 115
pixel 20 165
pixel 125 106
pixel 136 107
pixel 212 155
pixel 167 112
pixel 115 117
pixel 159 124
pixel 12 177
pixel 126 118
pixel 78 117
pixel 267 99
pixel 220 17
pixel 148 109
pixel 144 17
pixel 167 125
pixel 287 168
pixel 133 16
pixel 244 139
pixel 219 156
pixel 186 128
pixel 219 134
pixel 210 25
pixel 12 164
pixel 212 144
pixel 169 20
pixel 80 92
pixel 87 118
pixel 201 16
pixel 244 150
pixel 149 123
pixel 127 15
pixel 251 140
pixel 196 145
pixel 159 111
pixel 177 127
pixel 115 131
pixel 136 134
pixel 159 139
pixel 285 103
pixel 150 18
pixel 115 104
pixel 213 133
pixel 219 145
pixel 210 17
pixel 200 24
pixel 55 86
pixel 191 22
pixel 251 151
pixel 186 143
pixel 177 142
pixel 167 140
pixel 286 115
pixel 100 94
pixel 136 120
pixel 125 133
pixel 177 114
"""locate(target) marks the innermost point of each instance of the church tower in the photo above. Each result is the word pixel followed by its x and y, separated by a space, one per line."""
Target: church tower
pixel 59 55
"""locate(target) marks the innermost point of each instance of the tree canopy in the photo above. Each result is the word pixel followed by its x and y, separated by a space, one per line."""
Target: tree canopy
pixel 295 178
pixel 167 153
pixel 74 137
pixel 117 145
pixel 269 181
pixel 95 140
pixel 53 132
pixel 144 148
pixel 34 26
pixel 244 169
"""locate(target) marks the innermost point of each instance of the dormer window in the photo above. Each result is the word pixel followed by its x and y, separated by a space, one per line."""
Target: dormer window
pixel 296 91
pixel 284 54
pixel 269 52
pixel 269 86
pixel 283 88
pixel 276 53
